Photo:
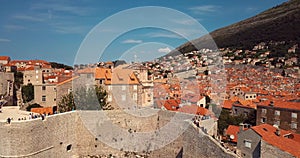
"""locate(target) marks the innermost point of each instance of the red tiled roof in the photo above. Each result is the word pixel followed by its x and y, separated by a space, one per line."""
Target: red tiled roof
pixel 171 105
pixel 282 104
pixel 28 68
pixel 101 73
pixel 228 104
pixel 86 71
pixel 245 104
pixel 6 58
pixel 67 80
pixel 267 132
pixel 121 76
pixel 193 109
pixel 233 130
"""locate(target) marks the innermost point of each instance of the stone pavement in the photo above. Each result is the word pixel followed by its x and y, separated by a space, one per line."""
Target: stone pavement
pixel 13 112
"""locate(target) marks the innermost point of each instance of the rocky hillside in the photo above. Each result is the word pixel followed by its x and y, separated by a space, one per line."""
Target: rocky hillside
pixel 280 23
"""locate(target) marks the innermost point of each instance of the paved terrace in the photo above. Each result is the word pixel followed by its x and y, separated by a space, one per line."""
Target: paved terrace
pixel 13 112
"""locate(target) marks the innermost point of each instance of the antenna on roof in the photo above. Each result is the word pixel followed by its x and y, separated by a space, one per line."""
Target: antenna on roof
pixel 135 58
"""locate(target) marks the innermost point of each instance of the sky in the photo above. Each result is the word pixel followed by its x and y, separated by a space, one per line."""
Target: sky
pixel 87 31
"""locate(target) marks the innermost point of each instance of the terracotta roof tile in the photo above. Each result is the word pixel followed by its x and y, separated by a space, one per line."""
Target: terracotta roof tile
pixel 101 73
pixel 233 130
pixel 6 58
pixel 228 104
pixel 282 104
pixel 194 109
pixel 267 132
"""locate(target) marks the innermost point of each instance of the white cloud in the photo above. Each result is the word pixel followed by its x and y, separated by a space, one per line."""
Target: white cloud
pixel 14 27
pixel 251 9
pixel 69 28
pixel 166 35
pixel 62 7
pixel 131 41
pixel 180 33
pixel 164 50
pixel 28 18
pixel 4 40
pixel 205 9
pixel 186 21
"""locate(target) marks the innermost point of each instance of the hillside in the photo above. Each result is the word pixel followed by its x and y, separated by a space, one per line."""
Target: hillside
pixel 280 23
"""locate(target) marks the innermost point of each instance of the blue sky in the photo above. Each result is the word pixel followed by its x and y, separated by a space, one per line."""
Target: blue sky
pixel 54 30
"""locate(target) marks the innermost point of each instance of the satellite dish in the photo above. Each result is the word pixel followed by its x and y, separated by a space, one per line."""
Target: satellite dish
pixel 231 136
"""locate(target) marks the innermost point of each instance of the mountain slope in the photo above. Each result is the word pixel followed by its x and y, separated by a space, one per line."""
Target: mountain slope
pixel 280 23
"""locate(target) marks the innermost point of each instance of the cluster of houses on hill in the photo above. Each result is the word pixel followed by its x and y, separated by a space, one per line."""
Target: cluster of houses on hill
pixel 269 94
pixel 262 55
pixel 126 85
pixel 193 86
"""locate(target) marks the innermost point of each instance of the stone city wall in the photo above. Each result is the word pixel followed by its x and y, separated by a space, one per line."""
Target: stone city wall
pixel 75 134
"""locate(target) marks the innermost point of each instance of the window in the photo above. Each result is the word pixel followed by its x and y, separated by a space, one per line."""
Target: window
pixel 43 88
pixel 277 113
pixel 69 147
pixel 294 125
pixel 277 122
pixel 134 87
pixel 247 143
pixel 294 115
pixel 264 111
pixel 123 87
pixel 43 98
pixel 263 120
pixel 123 97
pixel 89 76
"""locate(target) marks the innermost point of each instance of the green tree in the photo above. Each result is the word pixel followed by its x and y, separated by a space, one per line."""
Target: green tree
pixel 18 78
pixel 27 93
pixel 226 119
pixel 35 105
pixel 251 119
pixel 60 66
pixel 102 98
pixel 66 103
pixel 94 98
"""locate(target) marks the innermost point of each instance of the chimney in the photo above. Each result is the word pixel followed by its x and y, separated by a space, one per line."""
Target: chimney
pixel 271 103
pixel 277 132
pixel 241 126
